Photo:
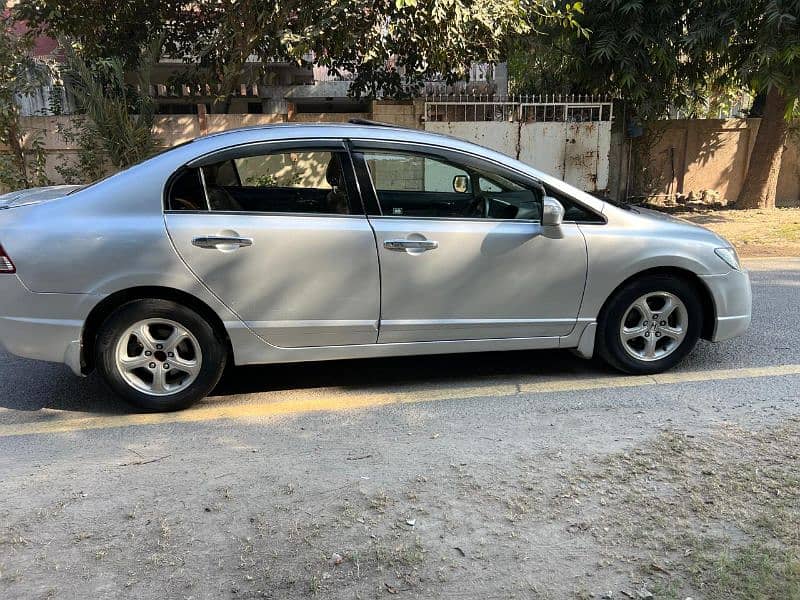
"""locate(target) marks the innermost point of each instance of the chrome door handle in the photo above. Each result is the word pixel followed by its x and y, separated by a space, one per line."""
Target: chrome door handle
pixel 410 245
pixel 213 241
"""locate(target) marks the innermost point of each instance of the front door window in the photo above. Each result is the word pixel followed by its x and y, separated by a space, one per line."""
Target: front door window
pixel 418 185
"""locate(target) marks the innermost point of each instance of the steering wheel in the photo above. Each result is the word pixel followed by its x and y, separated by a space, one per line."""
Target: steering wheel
pixel 474 208
pixel 184 204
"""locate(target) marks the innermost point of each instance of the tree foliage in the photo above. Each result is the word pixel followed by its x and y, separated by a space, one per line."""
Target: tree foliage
pixel 754 44
pixel 117 128
pixel 23 164
pixel 393 45
pixel 657 54
pixel 389 46
pixel 102 29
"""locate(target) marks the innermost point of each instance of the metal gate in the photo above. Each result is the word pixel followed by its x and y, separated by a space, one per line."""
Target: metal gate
pixel 569 137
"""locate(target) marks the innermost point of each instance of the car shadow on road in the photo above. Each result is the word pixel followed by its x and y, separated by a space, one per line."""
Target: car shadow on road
pixel 32 386
pixel 29 385
pixel 368 374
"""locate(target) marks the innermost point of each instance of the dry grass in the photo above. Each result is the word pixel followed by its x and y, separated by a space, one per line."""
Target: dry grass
pixel 716 515
pixel 754 232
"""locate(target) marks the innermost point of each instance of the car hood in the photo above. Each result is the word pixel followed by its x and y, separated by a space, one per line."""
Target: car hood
pixel 35 195
pixel 655 215
pixel 689 228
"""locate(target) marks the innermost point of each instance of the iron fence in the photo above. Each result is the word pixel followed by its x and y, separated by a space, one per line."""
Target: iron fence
pixel 573 108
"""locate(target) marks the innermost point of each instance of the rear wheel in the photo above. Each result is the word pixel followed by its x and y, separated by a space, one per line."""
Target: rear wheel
pixel 159 355
pixel 650 325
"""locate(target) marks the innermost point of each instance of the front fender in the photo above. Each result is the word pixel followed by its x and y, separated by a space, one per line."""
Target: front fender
pixel 616 254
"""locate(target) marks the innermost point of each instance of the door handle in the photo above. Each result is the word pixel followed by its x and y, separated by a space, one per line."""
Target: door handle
pixel 213 241
pixel 410 245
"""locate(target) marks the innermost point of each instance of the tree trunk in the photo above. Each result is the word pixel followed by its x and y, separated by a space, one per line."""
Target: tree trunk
pixel 17 150
pixel 761 180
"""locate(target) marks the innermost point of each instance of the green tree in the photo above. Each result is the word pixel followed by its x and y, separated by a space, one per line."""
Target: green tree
pixel 754 44
pixel 631 51
pixel 393 46
pixel 103 29
pixel 658 54
pixel 119 117
pixel 388 44
pixel 20 75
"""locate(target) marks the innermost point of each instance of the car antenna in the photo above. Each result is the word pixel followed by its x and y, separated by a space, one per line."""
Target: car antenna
pixel 360 121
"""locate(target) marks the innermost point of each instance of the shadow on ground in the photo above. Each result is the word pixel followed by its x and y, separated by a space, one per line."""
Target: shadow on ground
pixel 365 374
pixel 31 385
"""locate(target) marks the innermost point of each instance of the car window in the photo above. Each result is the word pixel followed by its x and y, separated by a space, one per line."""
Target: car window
pixel 488 186
pixel 186 192
pixel 307 181
pixel 574 211
pixel 223 173
pixel 417 185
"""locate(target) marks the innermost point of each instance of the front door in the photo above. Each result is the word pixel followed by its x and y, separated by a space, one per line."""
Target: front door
pixel 463 254
pixel 280 237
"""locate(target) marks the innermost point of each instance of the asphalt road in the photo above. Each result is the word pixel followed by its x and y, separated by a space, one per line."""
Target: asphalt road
pixel 254 492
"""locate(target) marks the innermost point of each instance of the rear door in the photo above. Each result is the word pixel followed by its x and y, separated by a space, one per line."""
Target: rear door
pixel 278 233
pixel 463 254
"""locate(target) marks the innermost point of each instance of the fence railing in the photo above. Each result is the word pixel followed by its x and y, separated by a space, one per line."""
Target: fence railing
pixel 576 108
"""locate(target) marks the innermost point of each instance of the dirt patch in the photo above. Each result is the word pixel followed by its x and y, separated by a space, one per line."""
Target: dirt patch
pixel 754 232
pixel 707 515
pixel 715 516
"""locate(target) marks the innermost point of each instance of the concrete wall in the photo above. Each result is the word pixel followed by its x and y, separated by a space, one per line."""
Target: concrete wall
pixel 685 157
pixel 577 153
pixel 405 113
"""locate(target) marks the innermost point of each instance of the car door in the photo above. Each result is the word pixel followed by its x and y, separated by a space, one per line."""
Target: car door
pixel 463 254
pixel 278 233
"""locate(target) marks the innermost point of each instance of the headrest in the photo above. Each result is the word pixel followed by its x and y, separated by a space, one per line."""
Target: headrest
pixel 334 174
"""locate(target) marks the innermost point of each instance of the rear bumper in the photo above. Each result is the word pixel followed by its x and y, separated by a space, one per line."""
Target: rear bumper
pixel 733 303
pixel 42 326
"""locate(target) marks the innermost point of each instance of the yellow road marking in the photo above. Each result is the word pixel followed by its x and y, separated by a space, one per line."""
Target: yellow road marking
pixel 331 400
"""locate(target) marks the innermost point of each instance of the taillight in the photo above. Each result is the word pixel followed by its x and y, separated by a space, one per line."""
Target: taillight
pixel 6 266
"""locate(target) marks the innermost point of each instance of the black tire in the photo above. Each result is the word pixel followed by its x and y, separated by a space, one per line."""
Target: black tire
pixel 213 348
pixel 610 347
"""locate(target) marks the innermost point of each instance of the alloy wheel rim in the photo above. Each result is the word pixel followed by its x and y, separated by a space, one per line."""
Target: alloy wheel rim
pixel 654 326
pixel 158 357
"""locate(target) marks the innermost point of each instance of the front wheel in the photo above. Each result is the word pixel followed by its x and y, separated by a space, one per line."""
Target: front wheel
pixel 159 355
pixel 650 325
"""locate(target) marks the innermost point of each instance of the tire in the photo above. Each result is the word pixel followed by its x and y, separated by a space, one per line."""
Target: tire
pixel 671 340
pixel 136 343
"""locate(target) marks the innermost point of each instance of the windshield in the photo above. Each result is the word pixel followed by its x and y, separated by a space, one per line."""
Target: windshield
pixel 618 204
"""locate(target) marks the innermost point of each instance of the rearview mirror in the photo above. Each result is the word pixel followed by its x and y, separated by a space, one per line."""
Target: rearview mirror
pixel 552 211
pixel 461 184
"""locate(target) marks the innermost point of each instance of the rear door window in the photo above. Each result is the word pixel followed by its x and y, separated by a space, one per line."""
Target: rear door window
pixel 305 181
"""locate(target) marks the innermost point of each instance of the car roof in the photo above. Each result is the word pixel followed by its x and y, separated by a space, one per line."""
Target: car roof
pixel 356 131
pixel 350 125
pixel 360 129
pixel 255 134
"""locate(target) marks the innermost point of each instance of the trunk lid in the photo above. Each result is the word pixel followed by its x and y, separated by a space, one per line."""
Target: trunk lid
pixel 35 195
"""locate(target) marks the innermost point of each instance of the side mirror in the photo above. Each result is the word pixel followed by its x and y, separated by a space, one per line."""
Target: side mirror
pixel 461 184
pixel 552 212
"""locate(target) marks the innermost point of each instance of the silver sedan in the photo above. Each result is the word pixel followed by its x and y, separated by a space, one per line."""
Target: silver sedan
pixel 315 242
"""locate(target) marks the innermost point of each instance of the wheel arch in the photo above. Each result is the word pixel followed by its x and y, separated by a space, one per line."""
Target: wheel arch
pixel 703 293
pixel 112 302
